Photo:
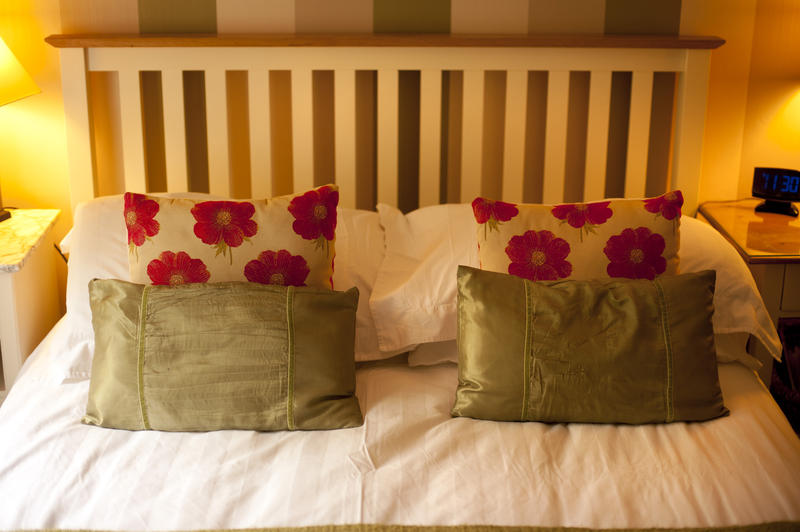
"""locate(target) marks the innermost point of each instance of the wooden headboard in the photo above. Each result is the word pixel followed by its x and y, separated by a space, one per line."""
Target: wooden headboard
pixel 408 120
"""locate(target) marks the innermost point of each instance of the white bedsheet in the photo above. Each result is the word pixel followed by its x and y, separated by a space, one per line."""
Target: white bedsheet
pixel 410 463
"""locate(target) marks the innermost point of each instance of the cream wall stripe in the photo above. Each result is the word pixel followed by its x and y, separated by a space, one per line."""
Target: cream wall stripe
pixel 74 90
pixel 555 149
pixel 344 121
pixel 99 16
pixel 387 135
pixel 260 134
pixel 302 130
pixel 594 183
pixel 219 181
pixel 638 134
pixel 174 130
pixel 430 136
pixel 255 16
pixel 514 137
pixel 132 137
pixel 472 135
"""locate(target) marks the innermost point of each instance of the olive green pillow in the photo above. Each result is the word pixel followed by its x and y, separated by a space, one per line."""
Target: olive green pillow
pixel 234 355
pixel 604 351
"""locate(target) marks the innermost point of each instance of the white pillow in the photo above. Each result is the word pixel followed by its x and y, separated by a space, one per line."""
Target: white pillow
pixel 414 297
pixel 738 307
pixel 97 247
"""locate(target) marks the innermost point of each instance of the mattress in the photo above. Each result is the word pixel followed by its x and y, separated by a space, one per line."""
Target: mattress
pixel 411 463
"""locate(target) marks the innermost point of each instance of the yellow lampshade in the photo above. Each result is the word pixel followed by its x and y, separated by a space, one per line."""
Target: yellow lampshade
pixel 15 82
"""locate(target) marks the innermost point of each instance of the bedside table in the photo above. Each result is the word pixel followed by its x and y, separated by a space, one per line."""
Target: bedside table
pixel 770 245
pixel 29 302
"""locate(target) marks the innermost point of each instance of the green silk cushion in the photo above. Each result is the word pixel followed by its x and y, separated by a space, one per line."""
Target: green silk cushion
pixel 233 355
pixel 603 351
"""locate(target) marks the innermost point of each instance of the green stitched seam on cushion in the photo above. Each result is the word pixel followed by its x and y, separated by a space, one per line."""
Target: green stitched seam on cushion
pixel 527 351
pixel 664 311
pixel 290 341
pixel 140 357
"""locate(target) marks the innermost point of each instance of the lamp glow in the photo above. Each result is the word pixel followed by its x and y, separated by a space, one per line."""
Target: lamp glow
pixel 15 84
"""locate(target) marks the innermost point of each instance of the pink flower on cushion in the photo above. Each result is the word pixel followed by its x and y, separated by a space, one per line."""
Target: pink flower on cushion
pixel 315 215
pixel 583 216
pixel 224 224
pixel 635 254
pixel 538 256
pixel 277 267
pixel 139 218
pixel 492 212
pixel 174 269
pixel 669 205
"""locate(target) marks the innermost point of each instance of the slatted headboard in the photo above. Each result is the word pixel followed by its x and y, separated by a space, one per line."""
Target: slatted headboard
pixel 412 119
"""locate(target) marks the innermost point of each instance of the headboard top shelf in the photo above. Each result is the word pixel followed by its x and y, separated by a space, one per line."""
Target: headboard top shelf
pixel 387 39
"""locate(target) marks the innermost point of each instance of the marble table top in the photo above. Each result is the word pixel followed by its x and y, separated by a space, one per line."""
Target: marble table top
pixel 20 234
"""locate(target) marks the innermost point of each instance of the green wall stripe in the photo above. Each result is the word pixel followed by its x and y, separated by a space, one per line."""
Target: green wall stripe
pixel 422 16
pixel 637 16
pixel 566 16
pixel 326 16
pixel 177 16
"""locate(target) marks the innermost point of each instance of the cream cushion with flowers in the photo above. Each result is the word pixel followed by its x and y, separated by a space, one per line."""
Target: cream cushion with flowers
pixel 286 240
pixel 631 238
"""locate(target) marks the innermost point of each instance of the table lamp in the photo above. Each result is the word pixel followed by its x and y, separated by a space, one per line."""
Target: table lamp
pixel 15 84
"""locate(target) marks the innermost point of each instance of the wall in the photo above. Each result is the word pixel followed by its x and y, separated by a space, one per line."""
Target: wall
pixel 772 120
pixel 33 155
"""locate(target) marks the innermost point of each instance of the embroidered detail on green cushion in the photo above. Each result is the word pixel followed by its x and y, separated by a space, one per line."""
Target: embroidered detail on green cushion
pixel 669 408
pixel 140 356
pixel 290 357
pixel 528 350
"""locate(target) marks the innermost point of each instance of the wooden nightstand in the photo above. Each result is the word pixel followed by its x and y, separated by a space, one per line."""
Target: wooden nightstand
pixel 770 245
pixel 29 301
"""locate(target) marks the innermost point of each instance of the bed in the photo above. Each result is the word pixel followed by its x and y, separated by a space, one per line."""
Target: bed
pixel 411 463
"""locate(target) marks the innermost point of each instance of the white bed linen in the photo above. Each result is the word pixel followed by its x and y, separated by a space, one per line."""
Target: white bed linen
pixel 409 464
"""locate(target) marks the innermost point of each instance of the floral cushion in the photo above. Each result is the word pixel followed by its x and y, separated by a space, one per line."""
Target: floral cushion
pixel 630 238
pixel 288 240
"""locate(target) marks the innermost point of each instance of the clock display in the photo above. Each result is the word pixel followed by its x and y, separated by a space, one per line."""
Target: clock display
pixel 779 183
pixel 779 186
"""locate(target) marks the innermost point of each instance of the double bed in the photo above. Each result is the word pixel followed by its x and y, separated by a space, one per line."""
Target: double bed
pixel 411 463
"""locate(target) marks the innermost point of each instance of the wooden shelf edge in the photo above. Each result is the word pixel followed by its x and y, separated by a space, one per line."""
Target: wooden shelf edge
pixel 385 39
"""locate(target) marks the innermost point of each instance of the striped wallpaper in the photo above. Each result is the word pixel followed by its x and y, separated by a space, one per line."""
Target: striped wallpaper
pixel 310 16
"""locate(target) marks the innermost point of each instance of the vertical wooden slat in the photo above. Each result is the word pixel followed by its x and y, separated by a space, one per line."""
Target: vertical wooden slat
pixel 555 136
pixel 514 136
pixel 387 136
pixel 689 126
pixel 132 138
pixel 430 136
pixel 472 135
pixel 638 134
pixel 174 130
pixel 260 138
pixel 594 183
pixel 302 130
pixel 344 101
pixel 74 90
pixel 219 181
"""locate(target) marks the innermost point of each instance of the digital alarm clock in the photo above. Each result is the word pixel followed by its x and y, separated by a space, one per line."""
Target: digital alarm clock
pixel 779 187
